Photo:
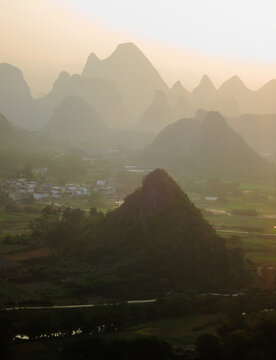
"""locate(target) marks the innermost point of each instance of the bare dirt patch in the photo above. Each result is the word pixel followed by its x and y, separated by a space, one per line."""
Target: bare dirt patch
pixel 30 255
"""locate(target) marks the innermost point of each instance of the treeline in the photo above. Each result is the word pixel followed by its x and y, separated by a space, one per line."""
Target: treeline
pixel 141 348
pixel 244 337
pixel 58 227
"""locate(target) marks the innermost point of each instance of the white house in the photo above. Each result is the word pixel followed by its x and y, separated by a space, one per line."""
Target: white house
pixel 72 187
pixel 211 198
pixel 101 182
pixel 40 196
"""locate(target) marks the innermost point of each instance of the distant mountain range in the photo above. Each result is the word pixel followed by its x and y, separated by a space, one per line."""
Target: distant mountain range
pixel 123 90
pixel 101 94
pixel 132 101
pixel 18 105
pixel 208 147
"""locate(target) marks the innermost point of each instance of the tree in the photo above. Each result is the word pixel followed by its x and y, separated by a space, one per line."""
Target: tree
pixel 7 333
pixel 216 187
pixel 209 346
pixel 95 199
pixel 236 345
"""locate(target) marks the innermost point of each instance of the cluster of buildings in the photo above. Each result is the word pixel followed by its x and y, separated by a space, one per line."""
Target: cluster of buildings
pixel 103 187
pixel 21 189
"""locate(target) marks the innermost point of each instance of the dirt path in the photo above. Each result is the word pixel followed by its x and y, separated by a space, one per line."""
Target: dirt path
pixel 29 255
pixel 242 232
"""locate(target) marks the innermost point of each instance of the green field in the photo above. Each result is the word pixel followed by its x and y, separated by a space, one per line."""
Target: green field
pixel 264 206
pixel 257 233
pixel 251 224
pixel 177 331
pixel 15 222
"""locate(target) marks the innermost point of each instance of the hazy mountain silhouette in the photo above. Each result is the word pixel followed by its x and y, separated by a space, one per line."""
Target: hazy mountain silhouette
pixel 157 116
pixel 130 139
pixel 264 99
pixel 160 114
pixel 233 98
pixel 158 240
pixel 74 118
pixel 182 108
pixel 133 74
pixel 121 87
pixel 210 147
pixel 173 142
pixel 200 114
pixel 206 96
pixel 180 101
pixel 234 87
pixel 16 102
pixel 101 94
pixel 204 92
pixel 259 131
pixel 14 138
pixel 7 132
pixel 19 106
pixel 178 91
pixel 233 90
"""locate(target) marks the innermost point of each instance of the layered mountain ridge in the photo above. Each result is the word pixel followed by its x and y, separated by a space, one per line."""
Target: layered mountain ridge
pixel 122 88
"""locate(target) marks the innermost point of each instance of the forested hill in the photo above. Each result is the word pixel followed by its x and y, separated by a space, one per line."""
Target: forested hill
pixel 157 241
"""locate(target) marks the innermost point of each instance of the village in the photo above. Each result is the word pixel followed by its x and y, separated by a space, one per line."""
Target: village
pixel 21 189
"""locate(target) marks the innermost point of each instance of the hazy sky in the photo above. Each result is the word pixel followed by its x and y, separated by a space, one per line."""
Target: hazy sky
pixel 183 38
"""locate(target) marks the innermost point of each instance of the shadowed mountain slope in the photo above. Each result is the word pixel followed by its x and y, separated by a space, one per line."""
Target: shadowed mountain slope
pixel 74 118
pixel 209 147
pixel 157 116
